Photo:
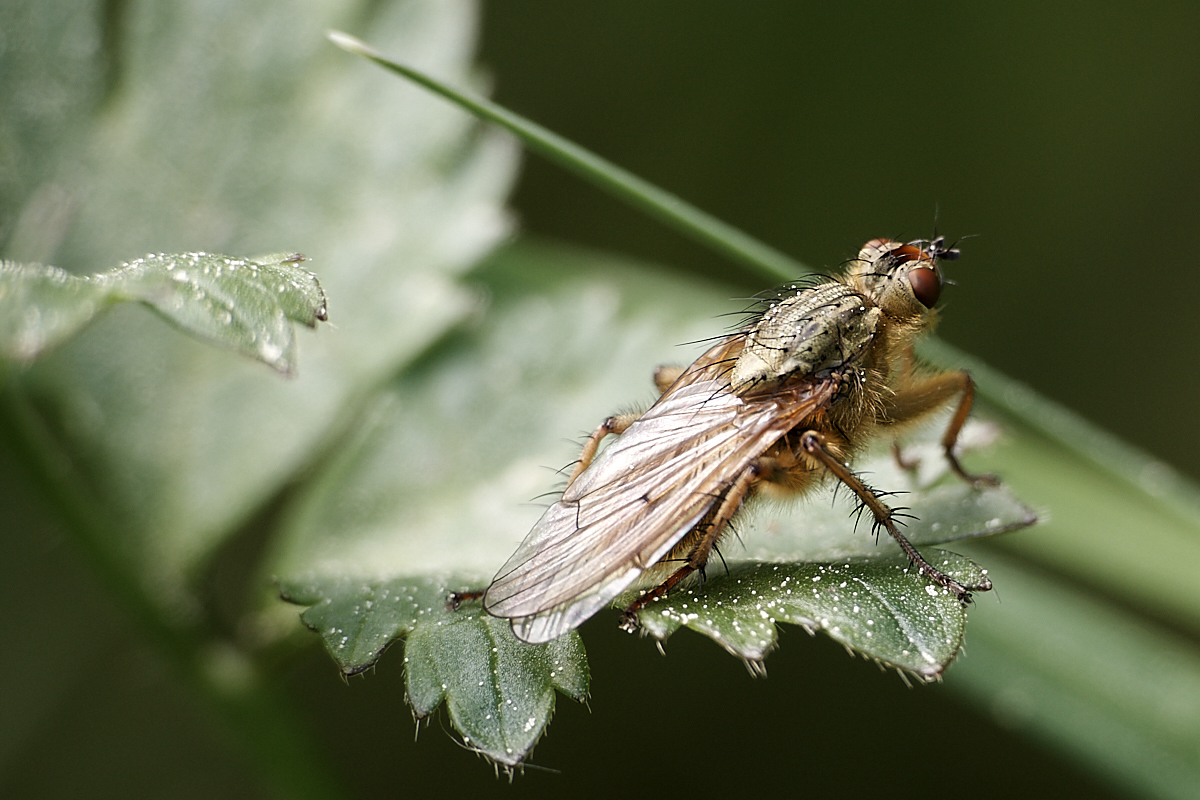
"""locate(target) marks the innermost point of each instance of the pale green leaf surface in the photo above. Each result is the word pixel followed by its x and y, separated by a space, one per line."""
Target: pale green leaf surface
pixel 246 305
pixel 237 127
pixel 453 463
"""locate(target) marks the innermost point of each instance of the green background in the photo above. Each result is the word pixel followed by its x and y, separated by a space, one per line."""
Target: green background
pixel 1061 136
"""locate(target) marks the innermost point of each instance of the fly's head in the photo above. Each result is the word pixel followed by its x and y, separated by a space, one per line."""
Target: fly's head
pixel 903 280
pixel 828 328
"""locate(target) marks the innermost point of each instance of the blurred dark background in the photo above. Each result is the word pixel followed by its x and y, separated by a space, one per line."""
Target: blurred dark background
pixel 1060 137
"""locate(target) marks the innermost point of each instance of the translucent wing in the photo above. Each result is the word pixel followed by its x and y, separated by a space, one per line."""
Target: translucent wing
pixel 642 496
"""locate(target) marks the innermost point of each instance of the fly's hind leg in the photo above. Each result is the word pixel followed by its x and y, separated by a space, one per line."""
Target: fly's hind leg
pixel 917 395
pixel 618 423
pixel 706 534
pixel 456 599
pixel 813 444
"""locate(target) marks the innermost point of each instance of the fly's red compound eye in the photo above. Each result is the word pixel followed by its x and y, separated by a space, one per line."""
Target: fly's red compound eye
pixel 908 252
pixel 926 285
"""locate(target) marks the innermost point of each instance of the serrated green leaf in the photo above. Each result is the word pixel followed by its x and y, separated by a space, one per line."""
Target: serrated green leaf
pixel 883 611
pixel 498 690
pixel 247 305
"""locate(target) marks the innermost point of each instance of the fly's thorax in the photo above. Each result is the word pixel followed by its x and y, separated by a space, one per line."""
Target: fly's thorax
pixel 812 333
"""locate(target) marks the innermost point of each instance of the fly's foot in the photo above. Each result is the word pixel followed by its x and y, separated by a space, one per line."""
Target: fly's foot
pixel 456 599
pixel 906 463
pixel 961 591
pixel 629 617
pixel 978 481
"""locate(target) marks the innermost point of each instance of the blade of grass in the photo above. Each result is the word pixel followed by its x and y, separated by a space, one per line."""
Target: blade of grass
pixel 624 185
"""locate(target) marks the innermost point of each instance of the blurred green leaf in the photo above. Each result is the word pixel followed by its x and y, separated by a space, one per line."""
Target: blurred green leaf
pixel 247 305
pixel 1112 689
pixel 237 127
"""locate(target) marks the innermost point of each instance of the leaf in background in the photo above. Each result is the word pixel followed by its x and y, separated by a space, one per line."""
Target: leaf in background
pixel 431 486
pixel 247 305
pixel 236 127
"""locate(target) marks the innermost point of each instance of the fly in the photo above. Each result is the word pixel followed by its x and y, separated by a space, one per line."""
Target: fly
pixel 784 403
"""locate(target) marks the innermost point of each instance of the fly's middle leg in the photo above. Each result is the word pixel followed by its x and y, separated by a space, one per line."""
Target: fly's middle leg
pixel 813 444
pixel 617 424
pixel 709 530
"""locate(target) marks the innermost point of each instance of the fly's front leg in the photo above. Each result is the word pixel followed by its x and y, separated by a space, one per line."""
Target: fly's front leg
pixel 709 529
pixel 950 437
pixel 917 395
pixel 456 599
pixel 813 443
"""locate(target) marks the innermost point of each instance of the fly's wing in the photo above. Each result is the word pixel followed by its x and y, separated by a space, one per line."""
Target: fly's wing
pixel 630 507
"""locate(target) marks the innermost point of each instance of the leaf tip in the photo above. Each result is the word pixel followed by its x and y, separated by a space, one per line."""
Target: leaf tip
pixel 350 44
